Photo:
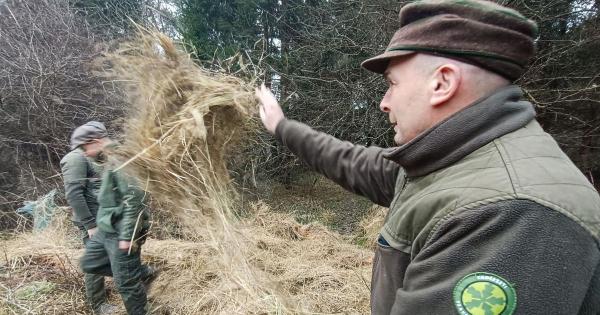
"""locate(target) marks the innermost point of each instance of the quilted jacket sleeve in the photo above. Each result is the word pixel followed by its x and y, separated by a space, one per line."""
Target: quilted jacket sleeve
pixel 361 170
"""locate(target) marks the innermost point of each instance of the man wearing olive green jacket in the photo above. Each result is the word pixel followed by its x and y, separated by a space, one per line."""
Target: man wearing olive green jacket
pixel 487 214
pixel 81 170
pixel 115 249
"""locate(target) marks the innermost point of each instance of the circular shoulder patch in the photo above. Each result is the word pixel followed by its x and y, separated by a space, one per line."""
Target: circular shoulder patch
pixel 483 293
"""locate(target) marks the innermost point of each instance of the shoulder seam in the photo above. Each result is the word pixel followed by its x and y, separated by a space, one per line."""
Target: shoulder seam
pixel 471 205
pixel 506 163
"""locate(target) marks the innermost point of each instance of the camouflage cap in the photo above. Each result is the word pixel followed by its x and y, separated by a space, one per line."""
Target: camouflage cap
pixel 88 132
pixel 479 32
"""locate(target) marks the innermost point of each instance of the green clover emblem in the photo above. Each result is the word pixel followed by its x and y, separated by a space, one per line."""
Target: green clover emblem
pixel 484 294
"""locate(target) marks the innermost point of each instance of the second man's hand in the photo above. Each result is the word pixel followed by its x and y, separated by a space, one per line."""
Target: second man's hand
pixel 92 231
pixel 269 109
pixel 124 245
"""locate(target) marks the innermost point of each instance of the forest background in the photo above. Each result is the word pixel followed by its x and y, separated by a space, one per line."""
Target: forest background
pixel 307 51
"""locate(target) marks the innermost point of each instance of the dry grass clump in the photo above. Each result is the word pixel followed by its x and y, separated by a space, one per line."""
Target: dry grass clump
pixel 183 121
pixel 39 273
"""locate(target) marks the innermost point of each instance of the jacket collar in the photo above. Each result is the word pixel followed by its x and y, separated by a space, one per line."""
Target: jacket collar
pixel 464 132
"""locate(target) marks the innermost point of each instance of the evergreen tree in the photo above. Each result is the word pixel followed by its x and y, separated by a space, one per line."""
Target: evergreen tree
pixel 224 28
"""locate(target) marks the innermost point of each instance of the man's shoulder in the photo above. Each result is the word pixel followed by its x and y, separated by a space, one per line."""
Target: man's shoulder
pixel 478 178
pixel 74 156
pixel 526 164
pixel 116 173
pixel 540 171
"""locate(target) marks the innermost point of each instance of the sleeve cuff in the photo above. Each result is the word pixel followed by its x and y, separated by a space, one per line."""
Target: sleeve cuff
pixel 279 130
pixel 90 225
pixel 122 238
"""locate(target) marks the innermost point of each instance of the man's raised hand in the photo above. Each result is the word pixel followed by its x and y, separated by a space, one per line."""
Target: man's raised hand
pixel 269 109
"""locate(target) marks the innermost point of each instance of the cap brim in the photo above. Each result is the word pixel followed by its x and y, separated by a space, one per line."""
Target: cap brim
pixel 379 64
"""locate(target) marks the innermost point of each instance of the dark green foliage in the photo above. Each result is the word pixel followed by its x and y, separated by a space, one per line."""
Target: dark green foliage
pixel 221 29
pixel 320 44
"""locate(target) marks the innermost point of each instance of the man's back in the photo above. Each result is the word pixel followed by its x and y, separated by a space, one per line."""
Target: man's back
pixel 121 205
pixel 81 178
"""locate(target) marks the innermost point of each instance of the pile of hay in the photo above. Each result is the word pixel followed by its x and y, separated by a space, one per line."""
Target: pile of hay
pixel 39 271
pixel 320 269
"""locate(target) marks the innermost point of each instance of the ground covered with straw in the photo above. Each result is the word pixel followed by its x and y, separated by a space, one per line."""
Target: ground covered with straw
pixel 323 271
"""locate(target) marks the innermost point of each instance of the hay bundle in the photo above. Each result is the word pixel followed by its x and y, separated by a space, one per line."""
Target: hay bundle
pixel 183 121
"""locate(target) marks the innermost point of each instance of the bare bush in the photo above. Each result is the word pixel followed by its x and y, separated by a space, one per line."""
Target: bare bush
pixel 46 89
pixel 564 79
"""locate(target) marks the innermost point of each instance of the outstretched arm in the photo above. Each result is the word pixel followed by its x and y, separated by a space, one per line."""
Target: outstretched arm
pixel 359 169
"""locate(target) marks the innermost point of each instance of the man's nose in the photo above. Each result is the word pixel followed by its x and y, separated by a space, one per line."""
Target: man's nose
pixel 383 106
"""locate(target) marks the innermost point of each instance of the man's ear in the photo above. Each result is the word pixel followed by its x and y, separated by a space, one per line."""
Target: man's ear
pixel 444 84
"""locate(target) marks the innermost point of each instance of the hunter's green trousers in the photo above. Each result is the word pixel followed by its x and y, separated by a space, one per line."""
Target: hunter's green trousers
pixel 94 284
pixel 103 257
